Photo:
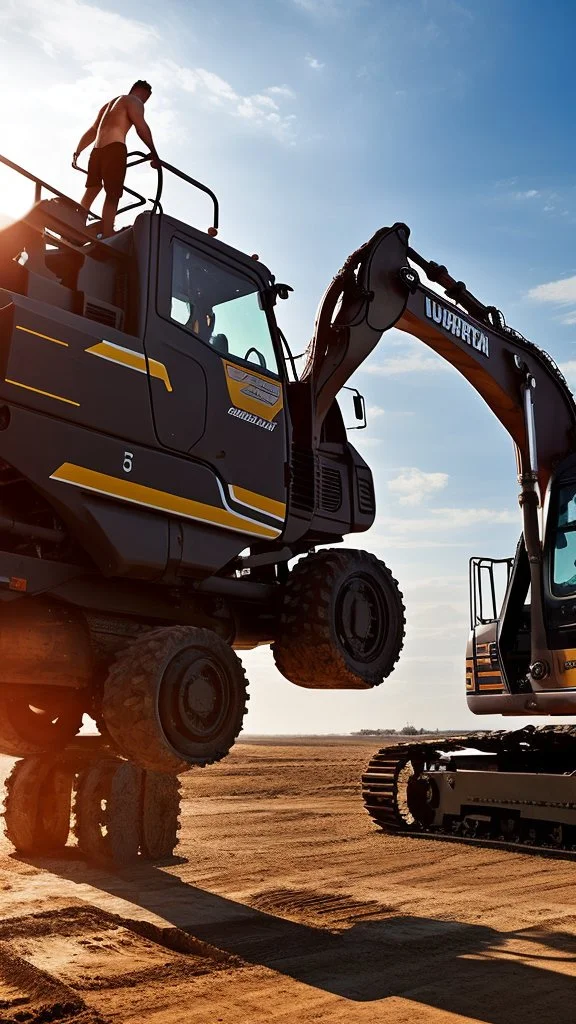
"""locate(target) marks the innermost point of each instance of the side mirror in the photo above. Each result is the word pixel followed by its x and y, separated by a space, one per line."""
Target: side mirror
pixel 283 291
pixel 359 407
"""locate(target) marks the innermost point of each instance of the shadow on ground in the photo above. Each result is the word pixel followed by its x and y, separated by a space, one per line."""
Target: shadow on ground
pixel 467 969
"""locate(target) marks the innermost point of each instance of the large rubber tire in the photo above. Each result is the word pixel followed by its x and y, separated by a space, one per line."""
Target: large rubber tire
pixel 342 621
pixel 175 698
pixel 160 810
pixel 25 732
pixel 37 806
pixel 107 811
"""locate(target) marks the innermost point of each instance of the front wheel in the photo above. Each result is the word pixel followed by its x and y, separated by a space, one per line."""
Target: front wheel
pixel 342 621
pixel 174 698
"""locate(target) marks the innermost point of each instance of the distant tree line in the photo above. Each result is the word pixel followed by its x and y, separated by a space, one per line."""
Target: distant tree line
pixel 408 730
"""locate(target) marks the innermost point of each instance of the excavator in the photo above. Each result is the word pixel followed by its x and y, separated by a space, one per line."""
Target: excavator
pixel 513 787
pixel 170 493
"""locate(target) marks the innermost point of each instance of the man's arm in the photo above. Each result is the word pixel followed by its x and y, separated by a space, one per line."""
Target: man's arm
pixel 89 136
pixel 136 115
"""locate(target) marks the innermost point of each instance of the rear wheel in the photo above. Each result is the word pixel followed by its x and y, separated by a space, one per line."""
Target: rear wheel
pixel 32 725
pixel 160 810
pixel 37 806
pixel 342 622
pixel 175 698
pixel 107 810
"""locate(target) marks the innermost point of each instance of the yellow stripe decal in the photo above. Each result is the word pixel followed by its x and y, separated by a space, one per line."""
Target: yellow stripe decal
pixel 132 360
pixel 46 337
pixel 163 501
pixel 259 502
pixel 37 391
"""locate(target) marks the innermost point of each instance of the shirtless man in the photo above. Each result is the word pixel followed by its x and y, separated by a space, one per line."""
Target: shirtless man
pixel 107 165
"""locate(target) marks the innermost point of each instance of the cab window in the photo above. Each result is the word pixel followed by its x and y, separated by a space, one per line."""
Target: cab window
pixel 564 574
pixel 220 307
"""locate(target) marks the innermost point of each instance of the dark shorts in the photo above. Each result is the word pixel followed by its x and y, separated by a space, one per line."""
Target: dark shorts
pixel 107 167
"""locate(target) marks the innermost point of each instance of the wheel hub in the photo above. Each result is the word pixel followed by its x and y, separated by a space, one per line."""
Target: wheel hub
pixel 199 697
pixel 361 618
pixel 194 700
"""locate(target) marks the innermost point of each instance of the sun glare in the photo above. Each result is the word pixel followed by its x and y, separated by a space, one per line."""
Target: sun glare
pixel 16 194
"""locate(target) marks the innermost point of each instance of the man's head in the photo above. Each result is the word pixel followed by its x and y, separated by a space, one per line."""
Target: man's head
pixel 142 90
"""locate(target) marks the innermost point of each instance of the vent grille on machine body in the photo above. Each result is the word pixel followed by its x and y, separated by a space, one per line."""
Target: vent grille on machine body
pixel 366 497
pixel 302 480
pixel 106 315
pixel 330 489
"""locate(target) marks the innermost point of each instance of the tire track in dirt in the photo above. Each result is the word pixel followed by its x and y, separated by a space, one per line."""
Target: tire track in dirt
pixel 29 995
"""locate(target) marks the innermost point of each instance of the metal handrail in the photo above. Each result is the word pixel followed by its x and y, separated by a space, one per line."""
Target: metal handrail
pixel 156 205
pixel 198 185
pixel 142 158
pixel 140 199
pixel 39 184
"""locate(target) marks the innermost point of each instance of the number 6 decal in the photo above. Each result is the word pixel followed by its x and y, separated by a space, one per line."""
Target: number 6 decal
pixel 127 464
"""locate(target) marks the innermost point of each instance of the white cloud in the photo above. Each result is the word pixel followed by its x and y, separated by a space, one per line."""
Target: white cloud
pixel 562 291
pixel 413 486
pixel 532 193
pixel 314 63
pixel 438 520
pixel 413 361
pixel 104 52
pixel 79 30
pixel 437 528
pixel 281 90
pixel 374 411
pixel 321 8
pixel 569 370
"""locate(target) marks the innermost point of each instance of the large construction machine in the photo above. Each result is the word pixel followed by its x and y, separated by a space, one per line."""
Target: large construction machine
pixel 161 464
pixel 520 786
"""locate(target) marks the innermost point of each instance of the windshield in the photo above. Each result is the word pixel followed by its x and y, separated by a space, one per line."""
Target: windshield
pixel 564 570
pixel 221 307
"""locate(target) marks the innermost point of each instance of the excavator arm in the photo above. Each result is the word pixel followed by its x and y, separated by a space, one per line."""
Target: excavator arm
pixel 379 288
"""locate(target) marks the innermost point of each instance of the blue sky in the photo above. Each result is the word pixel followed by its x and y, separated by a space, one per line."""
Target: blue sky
pixel 318 121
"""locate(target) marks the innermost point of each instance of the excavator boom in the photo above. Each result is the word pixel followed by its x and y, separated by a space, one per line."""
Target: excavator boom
pixel 517 787
pixel 379 288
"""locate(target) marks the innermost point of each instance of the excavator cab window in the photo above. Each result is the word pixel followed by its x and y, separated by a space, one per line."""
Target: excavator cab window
pixel 221 307
pixel 564 564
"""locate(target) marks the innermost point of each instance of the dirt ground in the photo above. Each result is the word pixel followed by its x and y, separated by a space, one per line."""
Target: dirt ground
pixel 285 905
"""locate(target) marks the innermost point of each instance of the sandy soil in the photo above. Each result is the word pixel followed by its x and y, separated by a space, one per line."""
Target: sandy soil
pixel 285 905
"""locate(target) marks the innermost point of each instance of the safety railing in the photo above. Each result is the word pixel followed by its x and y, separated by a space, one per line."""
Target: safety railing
pixel 134 159
pixel 137 157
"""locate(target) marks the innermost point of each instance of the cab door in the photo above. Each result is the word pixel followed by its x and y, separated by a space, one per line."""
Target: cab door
pixel 215 370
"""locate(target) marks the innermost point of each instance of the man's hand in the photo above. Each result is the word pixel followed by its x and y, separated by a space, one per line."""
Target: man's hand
pixel 75 160
pixel 155 162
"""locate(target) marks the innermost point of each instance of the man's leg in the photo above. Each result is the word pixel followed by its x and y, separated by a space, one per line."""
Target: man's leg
pixel 89 196
pixel 108 214
pixel 113 173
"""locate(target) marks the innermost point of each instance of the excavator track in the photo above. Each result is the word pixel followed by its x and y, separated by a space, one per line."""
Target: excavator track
pixel 523 797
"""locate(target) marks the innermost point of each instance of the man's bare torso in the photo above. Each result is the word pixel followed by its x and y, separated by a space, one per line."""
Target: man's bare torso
pixel 115 121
